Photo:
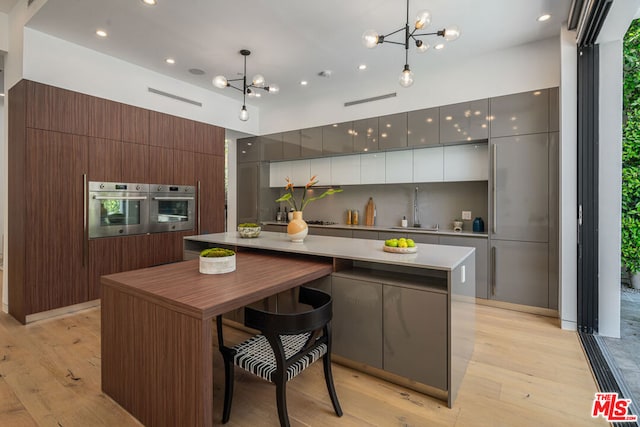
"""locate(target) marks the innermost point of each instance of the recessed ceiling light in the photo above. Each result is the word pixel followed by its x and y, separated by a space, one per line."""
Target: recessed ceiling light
pixel 362 67
pixel 101 33
pixel 150 2
pixel 439 46
pixel 170 61
pixel 304 83
pixel 544 17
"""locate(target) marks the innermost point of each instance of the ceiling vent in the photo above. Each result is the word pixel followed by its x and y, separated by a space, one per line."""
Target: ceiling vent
pixel 374 98
pixel 176 97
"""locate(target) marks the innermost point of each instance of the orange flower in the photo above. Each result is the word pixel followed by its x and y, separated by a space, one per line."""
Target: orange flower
pixel 312 181
pixel 289 185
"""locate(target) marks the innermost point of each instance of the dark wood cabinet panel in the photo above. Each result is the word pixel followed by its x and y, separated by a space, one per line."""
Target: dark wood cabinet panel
pixel 52 108
pixel 136 252
pixel 160 165
pixel 183 164
pixel 135 162
pixel 160 129
pixel 209 139
pixel 211 198
pixel 105 118
pixel 54 236
pixel 105 160
pixel 105 257
pixel 135 124
pixel 168 247
pixel 184 133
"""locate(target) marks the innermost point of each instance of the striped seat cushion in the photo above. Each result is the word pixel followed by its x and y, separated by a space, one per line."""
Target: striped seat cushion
pixel 256 356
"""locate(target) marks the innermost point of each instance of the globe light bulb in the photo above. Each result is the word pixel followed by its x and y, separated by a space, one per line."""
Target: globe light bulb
pixel 258 80
pixel 406 77
pixel 273 88
pixel 244 114
pixel 423 19
pixel 370 38
pixel 422 46
pixel 220 82
pixel 451 33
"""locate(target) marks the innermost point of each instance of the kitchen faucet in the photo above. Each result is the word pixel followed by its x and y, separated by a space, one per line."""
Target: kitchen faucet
pixel 416 213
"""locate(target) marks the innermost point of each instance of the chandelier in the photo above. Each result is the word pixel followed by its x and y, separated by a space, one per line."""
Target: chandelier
pixel 371 39
pixel 257 82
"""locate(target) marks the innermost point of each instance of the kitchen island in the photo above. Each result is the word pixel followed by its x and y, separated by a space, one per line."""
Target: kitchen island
pixel 408 318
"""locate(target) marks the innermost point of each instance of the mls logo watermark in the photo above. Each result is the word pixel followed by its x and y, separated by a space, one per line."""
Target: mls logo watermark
pixel 611 408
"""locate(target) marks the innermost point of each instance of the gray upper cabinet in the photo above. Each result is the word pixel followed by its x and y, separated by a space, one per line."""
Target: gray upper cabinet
pixel 392 131
pixel 291 144
pixel 365 135
pixel 520 113
pixel 248 150
pixel 337 138
pixel 271 147
pixel 248 185
pixel 311 142
pixel 463 122
pixel 554 109
pixel 423 127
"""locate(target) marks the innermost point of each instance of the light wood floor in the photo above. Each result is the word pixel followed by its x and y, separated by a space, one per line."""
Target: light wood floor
pixel 525 371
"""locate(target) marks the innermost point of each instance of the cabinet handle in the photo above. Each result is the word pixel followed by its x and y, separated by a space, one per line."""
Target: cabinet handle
pixel 198 208
pixel 493 271
pixel 495 192
pixel 85 237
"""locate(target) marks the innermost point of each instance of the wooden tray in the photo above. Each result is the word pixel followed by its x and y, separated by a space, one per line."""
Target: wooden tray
pixel 399 250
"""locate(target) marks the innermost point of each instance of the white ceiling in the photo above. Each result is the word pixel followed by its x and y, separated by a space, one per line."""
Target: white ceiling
pixel 7 5
pixel 292 40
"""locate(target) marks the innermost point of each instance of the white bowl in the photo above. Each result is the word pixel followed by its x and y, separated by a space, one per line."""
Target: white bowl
pixel 217 265
pixel 249 232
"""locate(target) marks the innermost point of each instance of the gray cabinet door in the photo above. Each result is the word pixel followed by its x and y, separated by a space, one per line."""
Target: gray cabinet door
pixel 423 127
pixel 357 320
pixel 271 147
pixel 365 234
pixel 248 184
pixel 482 260
pixel 248 150
pixel 275 228
pixel 520 272
pixel 520 186
pixel 554 109
pixel 392 131
pixel 466 121
pixel 365 135
pixel 424 238
pixel 386 235
pixel 291 144
pixel 415 335
pixel 335 232
pixel 311 142
pixel 337 138
pixel 520 113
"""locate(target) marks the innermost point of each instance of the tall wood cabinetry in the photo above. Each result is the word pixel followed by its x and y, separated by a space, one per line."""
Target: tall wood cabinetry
pixel 58 141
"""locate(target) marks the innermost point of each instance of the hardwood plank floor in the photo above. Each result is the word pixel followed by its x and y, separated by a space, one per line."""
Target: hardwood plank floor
pixel 525 371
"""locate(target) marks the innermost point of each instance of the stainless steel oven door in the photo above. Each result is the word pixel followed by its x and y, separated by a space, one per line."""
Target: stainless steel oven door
pixel 171 208
pixel 118 209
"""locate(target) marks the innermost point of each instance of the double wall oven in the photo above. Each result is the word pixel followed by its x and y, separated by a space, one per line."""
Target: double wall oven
pixel 117 209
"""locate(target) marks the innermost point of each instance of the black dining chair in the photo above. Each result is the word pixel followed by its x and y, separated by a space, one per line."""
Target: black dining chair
pixel 288 344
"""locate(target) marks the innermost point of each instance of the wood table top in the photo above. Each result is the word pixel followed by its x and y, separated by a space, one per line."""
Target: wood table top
pixel 183 288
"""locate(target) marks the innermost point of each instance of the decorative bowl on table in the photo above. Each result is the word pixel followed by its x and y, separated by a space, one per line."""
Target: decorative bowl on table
pixel 249 230
pixel 400 246
pixel 217 261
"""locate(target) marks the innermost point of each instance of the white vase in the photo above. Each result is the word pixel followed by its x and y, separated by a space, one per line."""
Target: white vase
pixel 217 265
pixel 297 228
pixel 635 280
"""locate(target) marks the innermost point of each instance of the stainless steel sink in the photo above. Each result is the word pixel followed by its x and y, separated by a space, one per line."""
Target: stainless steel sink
pixel 433 228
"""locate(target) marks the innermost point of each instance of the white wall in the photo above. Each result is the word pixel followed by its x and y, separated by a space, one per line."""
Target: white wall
pixel 568 181
pixel 59 63
pixel 518 69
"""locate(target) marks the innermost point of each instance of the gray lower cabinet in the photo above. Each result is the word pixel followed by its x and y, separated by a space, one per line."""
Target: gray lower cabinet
pixel 335 232
pixel 415 334
pixel 424 238
pixel 386 235
pixel 357 320
pixel 520 272
pixel 482 259
pixel 365 234
pixel 276 228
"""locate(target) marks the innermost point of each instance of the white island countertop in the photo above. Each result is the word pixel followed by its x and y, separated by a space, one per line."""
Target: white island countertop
pixel 436 257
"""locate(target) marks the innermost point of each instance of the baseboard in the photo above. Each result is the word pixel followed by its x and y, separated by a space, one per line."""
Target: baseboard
pixel 519 307
pixel 61 311
pixel 569 325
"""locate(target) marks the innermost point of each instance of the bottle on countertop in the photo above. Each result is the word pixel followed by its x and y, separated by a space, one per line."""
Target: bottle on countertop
pixel 478 225
pixel 354 217
pixel 348 216
pixel 404 222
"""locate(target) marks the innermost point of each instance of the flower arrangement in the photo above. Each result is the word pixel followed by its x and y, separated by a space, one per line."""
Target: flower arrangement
pixel 289 196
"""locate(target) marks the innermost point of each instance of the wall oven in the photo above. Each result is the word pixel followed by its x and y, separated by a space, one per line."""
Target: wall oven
pixel 172 207
pixel 117 209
